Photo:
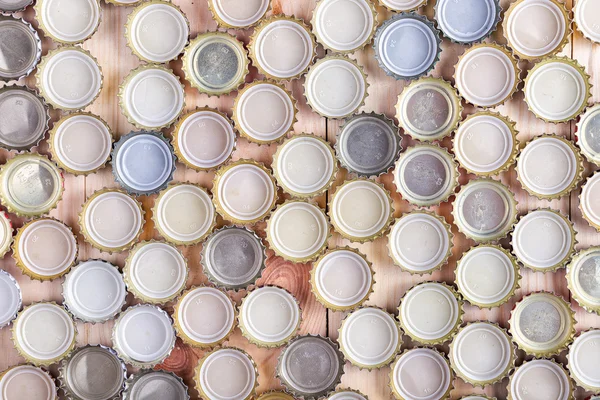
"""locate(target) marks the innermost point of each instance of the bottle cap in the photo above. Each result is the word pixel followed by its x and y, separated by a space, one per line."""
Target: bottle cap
pixel 485 210
pixel 78 380
pixel 298 231
pixel 157 31
pixel 421 373
pixel 275 395
pixel 25 47
pixel 163 385
pixel 344 26
pixel 477 397
pixel 244 191
pixel 426 175
pixel 487 75
pixel 310 367
pixel 588 203
pixel 69 78
pixel 420 242
pixel 361 210
pixel 368 144
pixel 537 29
pixel 486 143
pixel 23 117
pixel 143 335
pixel 549 167
pixel 11 298
pixel 586 16
pixel 584 360
pixel 336 87
pixel 482 353
pixel 100 211
pixel 94 291
pixel 204 139
pixel 587 134
pixel 80 143
pixel 542 324
pixel 369 338
pixel 544 240
pixel 467 22
pixel 26 381
pixel 557 89
pixel 269 316
pixel 305 165
pixel 543 379
pixel 226 373
pixel 6 233
pixel 68 22
pixel 184 214
pixel 429 109
pixel 155 272
pixel 487 276
pixel 402 5
pixel 342 279
pixel 124 2
pixel 582 279
pixel 264 112
pixel 204 316
pixel 238 13
pixel 45 249
pixel 215 63
pixel 347 394
pixel 395 43
pixel 13 6
pixel 44 333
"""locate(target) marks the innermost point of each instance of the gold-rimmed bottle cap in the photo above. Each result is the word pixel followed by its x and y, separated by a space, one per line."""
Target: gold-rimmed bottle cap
pixel 68 22
pixel 238 13
pixel 587 130
pixel 275 395
pixel 402 5
pixel 586 16
pixel 466 23
pixel 590 210
pixel 545 379
pixel 347 394
pixel 24 42
pixel 10 297
pixel 582 281
pixel 6 233
pixel 27 382
pixel 477 397
pixel 124 2
pixel 584 360
pixel 24 117
pixel 165 385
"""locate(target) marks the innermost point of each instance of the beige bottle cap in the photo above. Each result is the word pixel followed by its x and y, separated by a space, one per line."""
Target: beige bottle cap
pixel 6 233
pixel 157 31
pixel 486 143
pixel 587 131
pixel 124 2
pixel 304 165
pixel 347 394
pixel 420 242
pixel 361 210
pixel 421 373
pixel 557 89
pixel 27 382
pixel 542 324
pixel 238 13
pixel 589 201
pixel 99 213
pixel 485 210
pixel 44 333
pixel 70 21
pixel 45 249
pixel 583 278
pixel 537 29
pixel 264 112
pixel 335 87
pixel 477 397
pixel 204 316
pixel 584 360
pixel 540 379
pixel 402 5
pixel 11 298
pixel 549 167
pixel 487 75
pixel 275 395
pixel 426 175
pixel 487 276
pixel 69 78
pixel 587 18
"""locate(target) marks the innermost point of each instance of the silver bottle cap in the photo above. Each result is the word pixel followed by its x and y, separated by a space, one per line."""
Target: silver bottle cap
pixel 23 116
pixel 21 47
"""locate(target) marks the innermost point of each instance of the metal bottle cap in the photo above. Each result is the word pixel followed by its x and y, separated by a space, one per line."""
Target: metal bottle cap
pixel 124 2
pixel 584 360
pixel 23 118
pixel 13 6
pixel 22 47
pixel 402 5
pixel 587 201
pixel 10 298
pixel 27 382
pixel 6 233
pixel 544 379
pixel 587 132
pixel 586 16
pixel 583 278
pixel 467 22
pixel 275 395
pixel 347 394
pixel 68 22
pixel 238 13
pixel 477 397
pixel 148 384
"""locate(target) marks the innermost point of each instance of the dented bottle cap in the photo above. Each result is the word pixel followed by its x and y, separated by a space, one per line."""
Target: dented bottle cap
pixel 27 382
pixel 23 46
pixel 23 118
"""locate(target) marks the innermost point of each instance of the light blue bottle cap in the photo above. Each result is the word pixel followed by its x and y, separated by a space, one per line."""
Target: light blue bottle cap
pixel 467 21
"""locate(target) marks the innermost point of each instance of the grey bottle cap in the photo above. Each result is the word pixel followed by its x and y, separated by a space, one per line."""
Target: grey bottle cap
pixel 13 6
pixel 233 257
pixel 21 48
pixel 155 385
pixel 467 21
pixel 368 144
pixel 10 298
pixel 23 117
pixel 143 162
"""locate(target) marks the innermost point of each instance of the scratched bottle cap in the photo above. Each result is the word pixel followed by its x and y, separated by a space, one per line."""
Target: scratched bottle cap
pixel 157 31
pixel 426 175
pixel 588 203
pixel 549 167
pixel 215 63
pixel 347 394
pixel 269 316
pixel 148 384
pixel 69 78
pixel 584 360
pixel 468 21
pixel 204 316
pixel 27 382
pixel 368 144
pixel 264 112
pixel 582 278
pixel 10 298
pixel 485 210
pixel 44 333
pixel 587 19
pixel 402 5
pixel 310 367
pixel 23 117
pixel 155 272
pixel 24 47
pixel 304 165
pixel 540 379
pixel 68 22
pixel 143 335
pixel 238 13
pixel 45 249
pixel 542 324
pixel 587 132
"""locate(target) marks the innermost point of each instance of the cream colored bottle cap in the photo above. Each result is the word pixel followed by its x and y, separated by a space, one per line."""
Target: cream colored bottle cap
pixel 347 394
pixel 27 382
pixel 421 373
pixel 14 6
pixel 587 19
pixel 157 31
pixel 584 360
pixel 44 333
pixel 589 201
pixel 204 316
pixel 10 298
pixel 304 165
pixel 361 210
pixel 6 233
pixel 269 316
pixel 226 374
pixel 275 395
pixel 238 13
pixel 369 338
pixel 68 21
pixel 335 87
pixel 402 5
pixel 583 278
pixel 143 335
pixel 124 2
pixel 540 379
pixel 149 384
pixel 420 242
pixel 155 272
pixel 476 397
pixel 588 133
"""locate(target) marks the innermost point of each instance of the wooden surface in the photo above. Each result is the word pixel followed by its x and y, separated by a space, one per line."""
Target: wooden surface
pixel 109 46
